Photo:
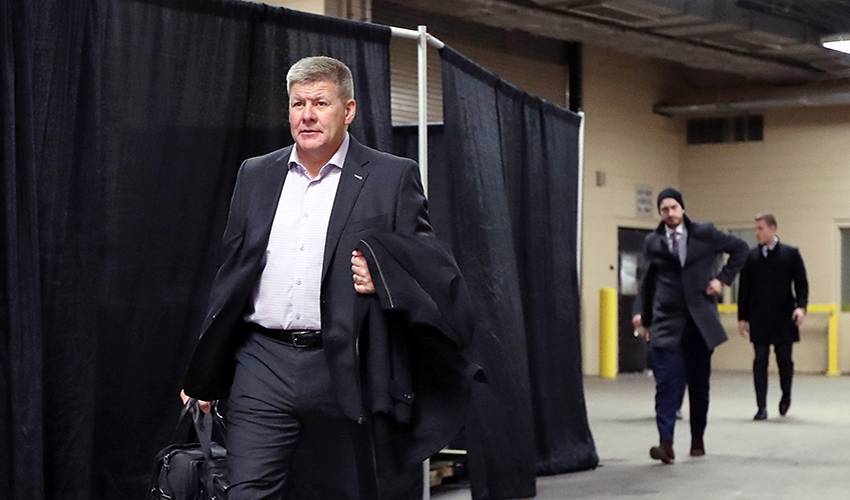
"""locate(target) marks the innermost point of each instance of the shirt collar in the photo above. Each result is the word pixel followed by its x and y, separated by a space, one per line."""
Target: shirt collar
pixel 773 243
pixel 337 160
pixel 680 229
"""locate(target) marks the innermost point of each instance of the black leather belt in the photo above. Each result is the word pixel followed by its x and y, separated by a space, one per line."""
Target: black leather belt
pixel 302 339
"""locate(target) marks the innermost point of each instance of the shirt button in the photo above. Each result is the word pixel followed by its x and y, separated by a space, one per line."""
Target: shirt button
pixel 302 247
pixel 298 316
pixel 298 282
pixel 306 215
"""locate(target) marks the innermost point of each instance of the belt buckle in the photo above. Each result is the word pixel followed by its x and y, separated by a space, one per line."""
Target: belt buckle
pixel 295 337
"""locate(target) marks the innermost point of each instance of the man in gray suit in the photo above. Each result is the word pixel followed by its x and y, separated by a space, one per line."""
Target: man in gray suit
pixel 280 338
pixel 679 311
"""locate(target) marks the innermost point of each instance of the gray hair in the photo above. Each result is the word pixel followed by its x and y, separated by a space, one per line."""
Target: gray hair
pixel 767 217
pixel 319 69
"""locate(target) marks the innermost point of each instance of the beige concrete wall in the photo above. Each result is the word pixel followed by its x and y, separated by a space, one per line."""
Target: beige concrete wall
pixel 360 10
pixel 800 172
pixel 632 146
pixel 311 6
pixel 809 354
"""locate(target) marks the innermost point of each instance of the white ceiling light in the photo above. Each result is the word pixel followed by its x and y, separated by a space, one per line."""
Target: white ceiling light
pixel 838 41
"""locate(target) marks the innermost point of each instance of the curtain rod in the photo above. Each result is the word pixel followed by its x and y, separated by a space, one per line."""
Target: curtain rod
pixel 414 35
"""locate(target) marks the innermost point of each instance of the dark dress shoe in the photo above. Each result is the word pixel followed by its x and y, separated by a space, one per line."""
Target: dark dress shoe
pixel 697 447
pixel 761 414
pixel 784 404
pixel 663 452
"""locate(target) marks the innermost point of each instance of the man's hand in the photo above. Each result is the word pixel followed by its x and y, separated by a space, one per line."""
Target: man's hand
pixel 360 273
pixel 715 287
pixel 744 328
pixel 638 325
pixel 203 405
pixel 799 315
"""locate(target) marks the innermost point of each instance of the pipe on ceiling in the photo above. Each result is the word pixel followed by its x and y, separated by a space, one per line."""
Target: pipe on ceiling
pixel 755 105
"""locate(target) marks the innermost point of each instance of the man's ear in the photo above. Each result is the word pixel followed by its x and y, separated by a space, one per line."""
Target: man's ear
pixel 350 111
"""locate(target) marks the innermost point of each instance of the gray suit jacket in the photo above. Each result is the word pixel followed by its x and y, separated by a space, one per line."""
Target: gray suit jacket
pixel 671 293
pixel 377 193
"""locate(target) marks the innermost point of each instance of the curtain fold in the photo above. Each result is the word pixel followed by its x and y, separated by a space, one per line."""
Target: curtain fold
pixel 21 328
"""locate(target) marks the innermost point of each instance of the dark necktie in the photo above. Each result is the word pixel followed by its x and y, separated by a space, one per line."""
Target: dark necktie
pixel 675 247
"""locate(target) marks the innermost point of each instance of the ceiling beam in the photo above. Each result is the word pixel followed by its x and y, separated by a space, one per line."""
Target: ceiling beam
pixel 563 26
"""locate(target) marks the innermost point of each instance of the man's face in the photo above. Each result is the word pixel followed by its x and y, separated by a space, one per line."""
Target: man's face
pixel 765 232
pixel 671 212
pixel 318 118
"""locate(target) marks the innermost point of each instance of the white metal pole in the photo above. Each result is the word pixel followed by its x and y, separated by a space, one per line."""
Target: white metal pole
pixel 414 35
pixel 423 40
pixel 423 171
pixel 580 200
pixel 423 106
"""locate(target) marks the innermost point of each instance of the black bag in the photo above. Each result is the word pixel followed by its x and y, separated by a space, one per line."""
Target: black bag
pixel 192 471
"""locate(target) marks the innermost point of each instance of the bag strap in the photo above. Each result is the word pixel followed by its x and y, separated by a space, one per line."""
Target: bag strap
pixel 204 425
pixel 203 428
pixel 182 431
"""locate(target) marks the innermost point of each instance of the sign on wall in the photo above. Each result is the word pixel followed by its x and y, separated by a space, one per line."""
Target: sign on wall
pixel 643 201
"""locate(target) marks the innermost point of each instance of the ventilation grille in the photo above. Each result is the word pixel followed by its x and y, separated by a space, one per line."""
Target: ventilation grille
pixel 727 129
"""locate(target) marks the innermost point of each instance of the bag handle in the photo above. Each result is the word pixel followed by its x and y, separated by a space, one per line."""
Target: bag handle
pixel 203 428
pixel 182 431
pixel 203 424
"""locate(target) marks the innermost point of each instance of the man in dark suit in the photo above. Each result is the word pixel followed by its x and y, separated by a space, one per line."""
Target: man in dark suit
pixel 679 299
pixel 280 339
pixel 768 311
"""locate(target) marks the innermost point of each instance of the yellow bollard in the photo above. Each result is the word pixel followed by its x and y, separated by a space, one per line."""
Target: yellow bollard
pixel 832 369
pixel 608 333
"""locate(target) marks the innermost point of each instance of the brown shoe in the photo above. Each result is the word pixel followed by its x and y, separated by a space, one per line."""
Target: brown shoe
pixel 663 452
pixel 697 447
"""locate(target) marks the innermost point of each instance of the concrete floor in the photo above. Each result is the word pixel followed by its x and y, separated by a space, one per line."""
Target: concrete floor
pixel 805 455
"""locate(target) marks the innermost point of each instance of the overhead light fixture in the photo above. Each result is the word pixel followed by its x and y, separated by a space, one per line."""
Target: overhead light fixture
pixel 838 41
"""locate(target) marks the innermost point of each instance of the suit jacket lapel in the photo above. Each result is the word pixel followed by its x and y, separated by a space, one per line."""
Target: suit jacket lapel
pixel 663 247
pixel 354 173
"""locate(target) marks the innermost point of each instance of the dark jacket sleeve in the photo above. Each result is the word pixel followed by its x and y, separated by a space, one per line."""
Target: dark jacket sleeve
pixel 737 250
pixel 236 213
pixel 231 240
pixel 647 286
pixel 412 205
pixel 744 290
pixel 801 282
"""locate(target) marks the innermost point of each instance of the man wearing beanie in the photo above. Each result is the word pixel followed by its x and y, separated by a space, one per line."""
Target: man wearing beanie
pixel 679 295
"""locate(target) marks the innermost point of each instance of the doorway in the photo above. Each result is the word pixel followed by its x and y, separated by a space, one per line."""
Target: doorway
pixel 633 351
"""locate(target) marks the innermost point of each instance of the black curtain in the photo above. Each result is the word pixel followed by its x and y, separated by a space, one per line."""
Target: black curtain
pixel 406 142
pixel 123 125
pixel 506 198
pixel 470 209
pixel 539 146
pixel 21 331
